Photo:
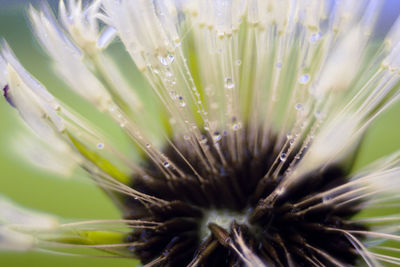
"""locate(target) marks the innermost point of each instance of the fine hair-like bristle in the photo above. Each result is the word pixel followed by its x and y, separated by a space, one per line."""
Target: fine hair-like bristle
pixel 298 223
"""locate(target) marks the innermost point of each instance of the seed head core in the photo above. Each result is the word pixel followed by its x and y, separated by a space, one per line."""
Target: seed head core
pixel 208 216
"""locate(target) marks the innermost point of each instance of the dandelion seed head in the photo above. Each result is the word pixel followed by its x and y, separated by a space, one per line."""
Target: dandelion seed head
pixel 259 106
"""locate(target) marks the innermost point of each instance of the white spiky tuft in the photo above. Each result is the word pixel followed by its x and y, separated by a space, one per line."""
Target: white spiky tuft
pixel 294 72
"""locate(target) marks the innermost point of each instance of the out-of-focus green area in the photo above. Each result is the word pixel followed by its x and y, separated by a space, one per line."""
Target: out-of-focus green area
pixel 73 199
pixel 34 188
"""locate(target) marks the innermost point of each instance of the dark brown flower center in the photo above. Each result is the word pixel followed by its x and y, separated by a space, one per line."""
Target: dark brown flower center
pixel 207 210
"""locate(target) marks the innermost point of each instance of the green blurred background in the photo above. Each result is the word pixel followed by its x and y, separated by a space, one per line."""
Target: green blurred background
pixel 73 199
pixel 27 185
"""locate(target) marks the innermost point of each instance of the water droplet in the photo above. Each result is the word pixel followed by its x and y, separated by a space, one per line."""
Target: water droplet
pixel 238 62
pixel 318 114
pixel 278 65
pixel 166 164
pixel 291 142
pixel 236 126
pixel 148 145
pixel 299 107
pixel 280 191
pixel 217 136
pixel 304 79
pixel 173 95
pixel 326 199
pixel 181 102
pixel 100 145
pixel 283 156
pixel 229 83
pixel 111 108
pixel 315 37
pixel 203 140
pixel 167 60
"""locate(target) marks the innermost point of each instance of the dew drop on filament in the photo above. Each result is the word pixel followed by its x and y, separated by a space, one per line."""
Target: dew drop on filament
pixel 299 107
pixel 173 95
pixel 280 191
pixel 318 115
pixel 217 136
pixel 100 146
pixel 304 79
pixel 326 199
pixel 168 60
pixel 283 157
pixel 236 126
pixel 182 103
pixel 203 140
pixel 111 108
pixel 315 37
pixel 229 83
pixel 166 164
